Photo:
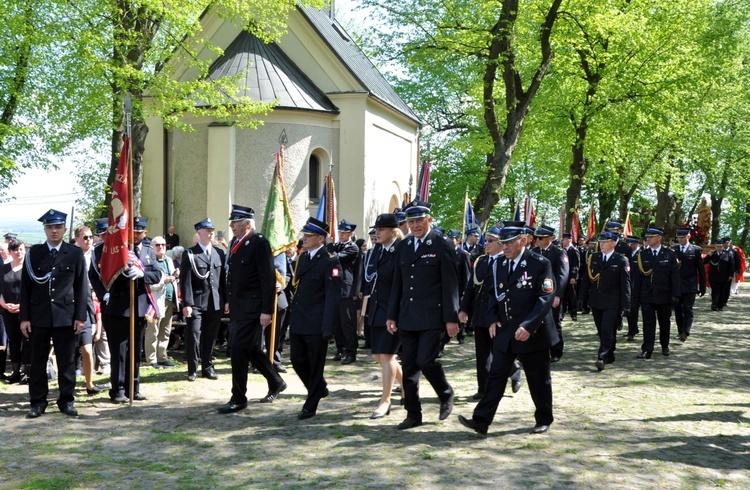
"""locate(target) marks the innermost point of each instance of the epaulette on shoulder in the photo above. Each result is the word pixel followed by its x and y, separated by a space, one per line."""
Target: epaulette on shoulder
pixel 331 255
pixel 537 256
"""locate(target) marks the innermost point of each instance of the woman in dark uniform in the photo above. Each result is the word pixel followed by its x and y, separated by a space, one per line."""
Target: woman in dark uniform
pixel 379 270
pixel 10 292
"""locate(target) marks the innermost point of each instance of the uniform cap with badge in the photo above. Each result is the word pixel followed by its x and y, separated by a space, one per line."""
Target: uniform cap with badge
pixel 400 215
pixel 511 230
pixel 315 227
pixel 683 231
pixel 100 226
pixel 139 223
pixel 494 231
pixel 544 231
pixel 346 226
pixel 607 236
pixel 205 223
pixel 417 209
pixel 654 231
pixel 53 217
pixel 240 213
pixel 10 236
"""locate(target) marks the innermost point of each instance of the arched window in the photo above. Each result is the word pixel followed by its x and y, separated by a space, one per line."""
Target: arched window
pixel 314 185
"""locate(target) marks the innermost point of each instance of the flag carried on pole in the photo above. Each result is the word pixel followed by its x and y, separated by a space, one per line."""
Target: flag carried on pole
pixel 517 214
pixel 423 191
pixel 471 221
pixel 591 231
pixel 628 229
pixel 277 221
pixel 529 216
pixel 575 227
pixel 327 206
pixel 115 251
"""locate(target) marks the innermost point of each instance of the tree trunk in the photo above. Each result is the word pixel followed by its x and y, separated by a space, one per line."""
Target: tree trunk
pixel 663 202
pixel 745 227
pixel 717 199
pixel 17 83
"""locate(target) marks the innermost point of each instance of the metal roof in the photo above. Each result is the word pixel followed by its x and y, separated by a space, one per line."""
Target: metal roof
pixel 267 74
pixel 356 62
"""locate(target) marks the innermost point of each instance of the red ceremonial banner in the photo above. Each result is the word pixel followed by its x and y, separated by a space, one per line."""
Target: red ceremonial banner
pixel 115 251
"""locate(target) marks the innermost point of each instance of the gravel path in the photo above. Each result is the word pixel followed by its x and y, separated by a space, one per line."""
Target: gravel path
pixel 670 423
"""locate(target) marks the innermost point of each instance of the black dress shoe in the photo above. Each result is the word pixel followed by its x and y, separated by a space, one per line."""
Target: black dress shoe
pixel 68 409
pixel 305 414
pixel 349 360
pixel 409 423
pixel 477 396
pixel 683 337
pixel 191 377
pixel 540 429
pixel 337 356
pixel 36 411
pixel 610 359
pixel 599 364
pixel 139 398
pixel 279 368
pixel 472 424
pixel 232 407
pixel 665 351
pixel 644 355
pixel 446 407
pixel 273 394
pixel 516 386
pixel 209 373
pixel 325 393
pixel 120 399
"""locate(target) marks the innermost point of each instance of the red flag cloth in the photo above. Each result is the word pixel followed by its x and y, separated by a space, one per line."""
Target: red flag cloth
pixel 529 216
pixel 628 229
pixel 575 228
pixel 591 232
pixel 115 251
pixel 424 183
pixel 743 264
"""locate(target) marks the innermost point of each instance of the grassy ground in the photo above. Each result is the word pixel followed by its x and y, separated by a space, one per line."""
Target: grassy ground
pixel 678 422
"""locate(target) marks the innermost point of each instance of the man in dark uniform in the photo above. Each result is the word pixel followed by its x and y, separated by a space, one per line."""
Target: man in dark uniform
pixel 692 281
pixel 318 284
pixel 348 254
pixel 635 248
pixel 720 271
pixel 570 300
pixel 606 285
pixel 143 269
pixel 475 304
pixel 203 288
pixel 423 305
pixel 251 289
pixel 472 244
pixel 401 215
pixel 521 323
pixel 560 271
pixel 657 288
pixel 463 273
pixel 54 292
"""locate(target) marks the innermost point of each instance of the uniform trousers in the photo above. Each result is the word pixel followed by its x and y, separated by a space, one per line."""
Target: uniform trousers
pixel 557 349
pixel 536 366
pixel 650 314
pixel 246 349
pixel 483 349
pixel 64 341
pixel 118 335
pixel 683 313
pixel 607 321
pixel 720 294
pixel 420 349
pixel 201 330
pixel 346 327
pixel 570 300
pixel 633 318
pixel 308 356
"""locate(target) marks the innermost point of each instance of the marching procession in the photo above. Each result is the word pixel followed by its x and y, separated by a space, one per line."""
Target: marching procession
pixel 409 287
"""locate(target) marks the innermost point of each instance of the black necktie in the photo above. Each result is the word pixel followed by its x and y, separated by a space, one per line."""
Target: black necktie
pixel 510 267
pixel 53 252
pixel 604 261
pixel 491 262
pixel 654 253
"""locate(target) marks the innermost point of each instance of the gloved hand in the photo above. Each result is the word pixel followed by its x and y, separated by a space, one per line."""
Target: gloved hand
pixel 327 336
pixel 675 300
pixel 133 273
pixel 105 298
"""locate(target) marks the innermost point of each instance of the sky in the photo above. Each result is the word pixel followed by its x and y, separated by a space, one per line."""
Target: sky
pixel 36 191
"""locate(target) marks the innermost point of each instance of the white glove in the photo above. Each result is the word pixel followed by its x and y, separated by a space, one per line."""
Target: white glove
pixel 106 297
pixel 134 273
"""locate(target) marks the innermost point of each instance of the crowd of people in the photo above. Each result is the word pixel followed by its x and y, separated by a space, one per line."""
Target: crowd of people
pixel 406 292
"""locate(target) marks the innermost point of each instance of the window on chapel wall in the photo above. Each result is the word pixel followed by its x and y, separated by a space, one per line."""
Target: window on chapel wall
pixel 314 185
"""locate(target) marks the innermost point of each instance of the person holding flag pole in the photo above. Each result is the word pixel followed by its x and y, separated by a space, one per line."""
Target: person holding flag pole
pixel 128 268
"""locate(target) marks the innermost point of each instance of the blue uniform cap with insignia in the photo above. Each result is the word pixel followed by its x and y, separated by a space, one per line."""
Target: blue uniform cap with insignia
pixel 372 232
pixel 654 231
pixel 568 235
pixel 683 231
pixel 632 239
pixel 240 213
pixel 614 226
pixel 140 223
pixel 417 209
pixel 11 236
pixel 100 225
pixel 606 236
pixel 473 231
pixel 512 229
pixel 454 234
pixel 494 231
pixel 206 223
pixel 400 215
pixel 53 217
pixel 346 226
pixel 315 227
pixel 438 230
pixel 726 239
pixel 544 231
pixel 385 220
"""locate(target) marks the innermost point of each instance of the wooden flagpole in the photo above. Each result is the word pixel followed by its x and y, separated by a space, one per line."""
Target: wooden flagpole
pixel 131 248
